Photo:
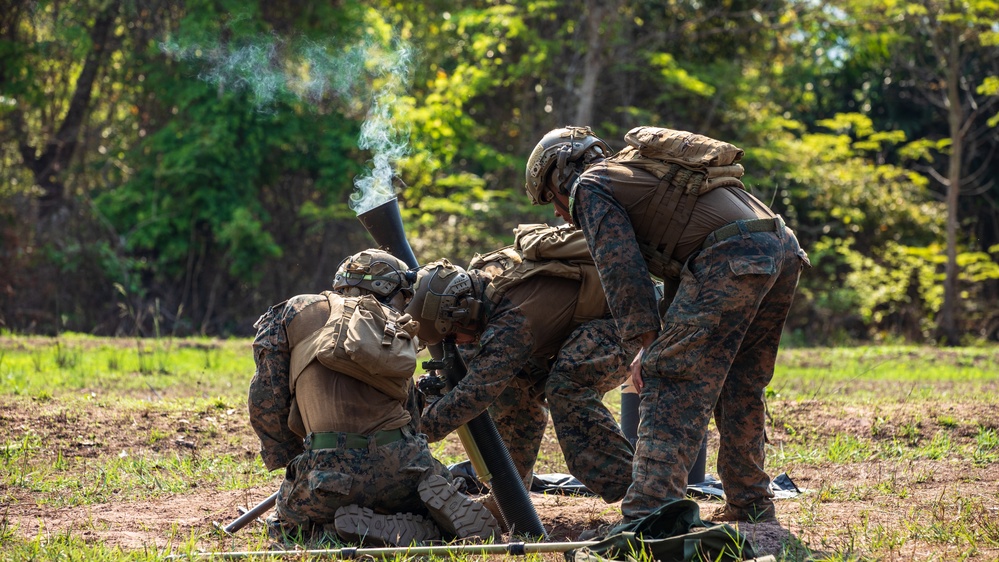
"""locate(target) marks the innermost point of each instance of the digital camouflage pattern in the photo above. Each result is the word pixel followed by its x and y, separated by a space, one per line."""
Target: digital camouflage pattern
pixel 317 482
pixel 715 353
pixel 587 361
pixel 270 399
pixel 592 362
pixel 384 478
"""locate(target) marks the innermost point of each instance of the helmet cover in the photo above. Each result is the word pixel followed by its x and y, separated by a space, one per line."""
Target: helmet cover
pixel 446 300
pixel 374 271
pixel 558 159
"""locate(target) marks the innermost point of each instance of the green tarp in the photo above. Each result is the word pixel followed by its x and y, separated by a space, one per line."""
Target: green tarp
pixel 673 533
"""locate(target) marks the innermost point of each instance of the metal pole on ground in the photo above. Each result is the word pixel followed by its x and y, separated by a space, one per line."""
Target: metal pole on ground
pixel 514 549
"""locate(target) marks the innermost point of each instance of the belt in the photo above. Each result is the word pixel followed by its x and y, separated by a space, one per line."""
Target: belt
pixel 734 228
pixel 332 439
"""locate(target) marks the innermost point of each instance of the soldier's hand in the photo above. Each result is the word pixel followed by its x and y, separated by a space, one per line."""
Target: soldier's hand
pixel 635 369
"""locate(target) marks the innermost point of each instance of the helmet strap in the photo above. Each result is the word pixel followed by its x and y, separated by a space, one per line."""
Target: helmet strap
pixel 563 168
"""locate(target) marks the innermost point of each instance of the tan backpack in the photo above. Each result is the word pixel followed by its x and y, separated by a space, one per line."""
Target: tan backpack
pixel 554 251
pixel 364 339
pixel 687 165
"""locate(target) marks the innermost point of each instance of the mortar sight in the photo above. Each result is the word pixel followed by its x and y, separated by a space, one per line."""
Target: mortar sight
pixel 384 224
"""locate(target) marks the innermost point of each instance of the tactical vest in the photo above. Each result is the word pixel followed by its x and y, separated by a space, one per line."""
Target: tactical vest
pixel 363 339
pixel 687 165
pixel 554 251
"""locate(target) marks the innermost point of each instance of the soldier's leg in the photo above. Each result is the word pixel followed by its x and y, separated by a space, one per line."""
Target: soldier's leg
pixel 391 493
pixel 740 412
pixel 590 363
pixel 674 414
pixel 298 509
pixel 685 368
pixel 437 493
pixel 380 477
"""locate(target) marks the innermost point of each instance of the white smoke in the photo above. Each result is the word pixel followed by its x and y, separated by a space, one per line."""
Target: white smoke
pixel 367 77
pixel 380 135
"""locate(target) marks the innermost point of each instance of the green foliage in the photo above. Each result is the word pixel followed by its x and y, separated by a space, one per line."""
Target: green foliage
pixel 221 140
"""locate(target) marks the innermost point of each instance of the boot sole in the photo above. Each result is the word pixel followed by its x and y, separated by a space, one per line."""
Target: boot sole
pixel 360 524
pixel 455 513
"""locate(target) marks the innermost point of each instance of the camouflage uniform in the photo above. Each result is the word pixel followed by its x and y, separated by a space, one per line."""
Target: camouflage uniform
pixel 383 477
pixel 718 344
pixel 532 324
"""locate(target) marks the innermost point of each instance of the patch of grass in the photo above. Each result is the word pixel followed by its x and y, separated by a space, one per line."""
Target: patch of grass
pixel 846 448
pixel 125 478
pixel 849 374
pixel 939 447
pixel 156 435
pixel 163 368
pixel 894 444
pixel 986 446
pixel 75 546
pixel 949 422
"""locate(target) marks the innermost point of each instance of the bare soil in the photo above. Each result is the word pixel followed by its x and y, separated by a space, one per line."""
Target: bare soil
pixel 855 507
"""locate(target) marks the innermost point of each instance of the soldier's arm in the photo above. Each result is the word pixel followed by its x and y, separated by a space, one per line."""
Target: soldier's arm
pixel 623 273
pixel 505 347
pixel 269 399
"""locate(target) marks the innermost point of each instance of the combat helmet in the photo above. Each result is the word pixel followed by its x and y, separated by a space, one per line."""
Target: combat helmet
pixel 372 271
pixel 447 300
pixel 558 159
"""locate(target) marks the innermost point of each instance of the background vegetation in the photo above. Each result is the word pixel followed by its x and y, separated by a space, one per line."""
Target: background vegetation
pixel 175 167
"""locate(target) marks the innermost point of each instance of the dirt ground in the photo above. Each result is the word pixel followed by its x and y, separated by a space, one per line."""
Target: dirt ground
pixel 857 507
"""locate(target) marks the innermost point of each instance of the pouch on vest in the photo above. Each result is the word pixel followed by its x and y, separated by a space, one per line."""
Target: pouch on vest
pixel 370 342
pixel 553 251
pixel 690 150
pixel 543 242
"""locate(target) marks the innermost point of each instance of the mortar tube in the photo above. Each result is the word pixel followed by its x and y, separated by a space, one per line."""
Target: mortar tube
pixel 384 224
pixel 506 484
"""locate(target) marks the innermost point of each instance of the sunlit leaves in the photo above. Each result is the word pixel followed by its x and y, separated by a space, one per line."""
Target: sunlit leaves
pixel 674 75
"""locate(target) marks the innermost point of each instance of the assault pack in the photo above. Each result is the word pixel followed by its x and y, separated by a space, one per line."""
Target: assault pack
pixel 364 339
pixel 687 165
pixel 554 251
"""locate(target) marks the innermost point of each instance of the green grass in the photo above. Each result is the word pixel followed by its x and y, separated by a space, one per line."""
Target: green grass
pixel 88 421
pixel 886 373
pixel 43 368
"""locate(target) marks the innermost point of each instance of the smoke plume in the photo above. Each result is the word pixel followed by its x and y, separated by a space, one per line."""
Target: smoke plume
pixel 364 77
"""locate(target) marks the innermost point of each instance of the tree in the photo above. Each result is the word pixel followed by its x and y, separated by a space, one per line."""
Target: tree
pixel 48 140
pixel 948 50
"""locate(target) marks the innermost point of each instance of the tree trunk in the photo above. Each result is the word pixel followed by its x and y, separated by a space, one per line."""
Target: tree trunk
pixel 50 163
pixel 598 39
pixel 947 326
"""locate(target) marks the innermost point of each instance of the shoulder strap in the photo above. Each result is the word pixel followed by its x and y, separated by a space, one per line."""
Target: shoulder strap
pixel 306 351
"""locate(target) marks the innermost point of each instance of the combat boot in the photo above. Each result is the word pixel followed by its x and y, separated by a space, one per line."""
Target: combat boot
pixel 358 524
pixel 455 513
pixel 753 514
